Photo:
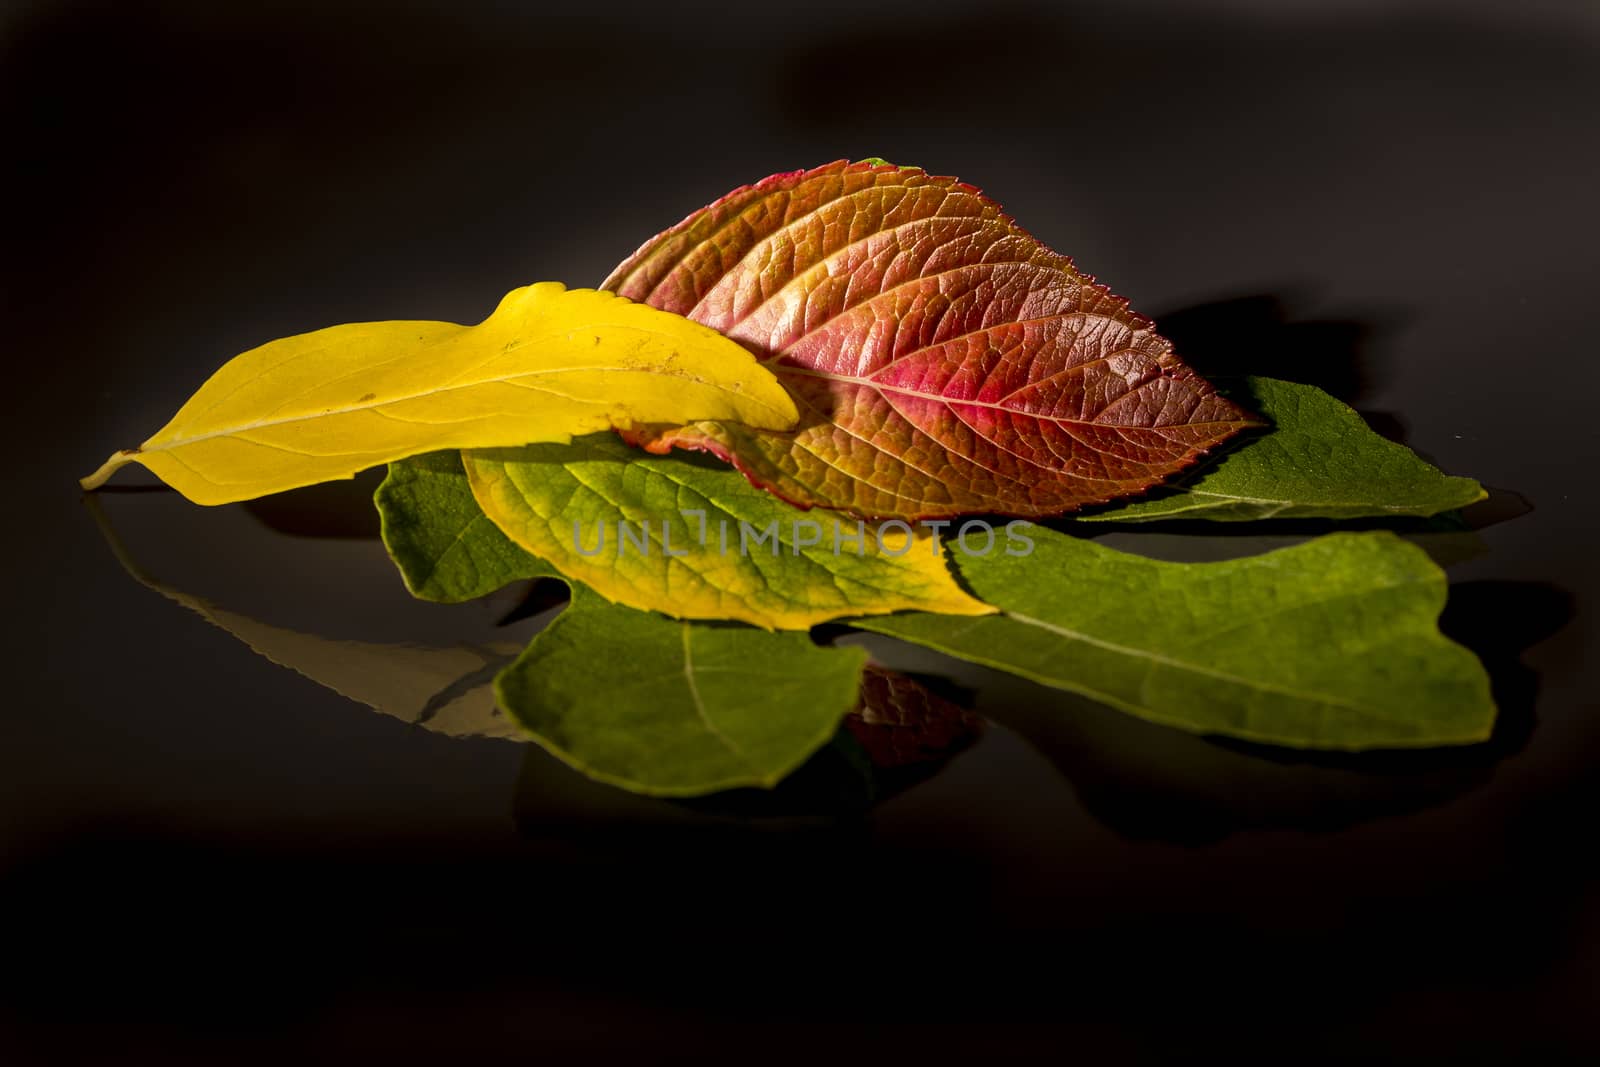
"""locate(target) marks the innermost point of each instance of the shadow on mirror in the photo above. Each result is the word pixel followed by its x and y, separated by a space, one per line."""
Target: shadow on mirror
pixel 1445 538
pixel 1255 334
pixel 341 509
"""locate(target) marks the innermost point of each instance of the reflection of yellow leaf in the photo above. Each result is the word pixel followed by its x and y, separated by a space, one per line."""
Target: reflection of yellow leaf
pixel 546 365
pixel 446 690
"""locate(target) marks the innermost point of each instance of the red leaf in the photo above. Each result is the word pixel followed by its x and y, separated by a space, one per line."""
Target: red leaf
pixel 944 361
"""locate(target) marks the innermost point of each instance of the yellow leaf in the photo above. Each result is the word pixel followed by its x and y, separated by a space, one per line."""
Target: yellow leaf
pixel 548 364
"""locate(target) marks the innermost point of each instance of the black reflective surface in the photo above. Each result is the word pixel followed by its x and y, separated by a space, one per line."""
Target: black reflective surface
pixel 207 858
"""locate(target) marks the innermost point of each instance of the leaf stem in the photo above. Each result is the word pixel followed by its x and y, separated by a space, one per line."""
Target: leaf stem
pixel 116 462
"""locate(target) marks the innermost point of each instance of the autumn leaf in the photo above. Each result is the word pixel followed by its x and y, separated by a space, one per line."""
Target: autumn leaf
pixel 943 360
pixel 548 364
pixel 1329 644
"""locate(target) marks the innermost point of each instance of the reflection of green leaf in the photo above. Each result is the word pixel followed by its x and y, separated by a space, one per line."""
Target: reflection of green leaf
pixel 446 690
pixel 1144 781
pixel 1330 644
pixel 677 708
pixel 1320 461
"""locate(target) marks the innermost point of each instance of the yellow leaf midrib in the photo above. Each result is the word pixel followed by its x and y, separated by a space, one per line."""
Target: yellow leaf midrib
pixel 234 430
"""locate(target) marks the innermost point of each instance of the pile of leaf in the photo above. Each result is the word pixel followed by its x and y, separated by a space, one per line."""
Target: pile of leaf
pixel 840 396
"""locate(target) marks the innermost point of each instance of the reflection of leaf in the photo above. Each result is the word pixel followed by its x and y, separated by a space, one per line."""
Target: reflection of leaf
pixel 1147 782
pixel 1330 644
pixel 546 365
pixel 899 735
pixel 446 690
pixel 551 500
pixel 901 723
pixel 628 697
pixel 1320 461
pixel 943 360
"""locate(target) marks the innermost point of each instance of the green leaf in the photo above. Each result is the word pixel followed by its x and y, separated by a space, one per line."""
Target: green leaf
pixel 702 555
pixel 1330 644
pixel 675 708
pixel 446 548
pixel 1320 461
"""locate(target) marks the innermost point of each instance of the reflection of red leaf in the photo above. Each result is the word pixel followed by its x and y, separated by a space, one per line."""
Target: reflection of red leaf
pixel 901 723
pixel 944 361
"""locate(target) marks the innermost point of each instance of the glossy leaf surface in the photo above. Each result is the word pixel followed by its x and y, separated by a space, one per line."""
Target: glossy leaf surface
pixel 943 360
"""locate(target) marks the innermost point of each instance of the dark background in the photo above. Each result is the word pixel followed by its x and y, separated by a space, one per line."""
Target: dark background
pixel 205 858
